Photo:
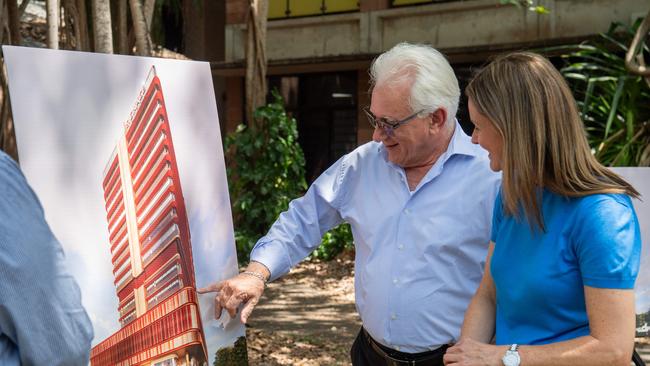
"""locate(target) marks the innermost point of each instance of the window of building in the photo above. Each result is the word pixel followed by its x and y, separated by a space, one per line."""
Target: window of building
pixel 415 2
pixel 167 362
pixel 279 9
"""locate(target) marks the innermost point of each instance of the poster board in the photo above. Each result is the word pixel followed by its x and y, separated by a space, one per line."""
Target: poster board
pixel 126 156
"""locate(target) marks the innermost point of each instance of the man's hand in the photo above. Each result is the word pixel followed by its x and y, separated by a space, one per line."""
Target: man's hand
pixel 242 289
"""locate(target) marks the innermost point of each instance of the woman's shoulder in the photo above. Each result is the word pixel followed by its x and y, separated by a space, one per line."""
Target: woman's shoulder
pixel 600 213
pixel 604 202
pixel 589 210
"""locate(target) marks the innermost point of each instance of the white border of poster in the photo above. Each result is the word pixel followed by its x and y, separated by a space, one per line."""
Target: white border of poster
pixel 640 179
pixel 69 108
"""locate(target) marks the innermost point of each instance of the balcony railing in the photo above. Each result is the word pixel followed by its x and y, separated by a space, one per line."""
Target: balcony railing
pixel 279 9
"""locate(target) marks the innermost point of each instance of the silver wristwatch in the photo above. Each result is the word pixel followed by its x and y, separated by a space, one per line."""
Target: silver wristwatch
pixel 511 358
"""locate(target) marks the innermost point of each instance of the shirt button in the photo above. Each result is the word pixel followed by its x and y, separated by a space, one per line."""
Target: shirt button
pixel 397 348
pixel 407 211
pixel 393 316
pixel 395 281
pixel 400 247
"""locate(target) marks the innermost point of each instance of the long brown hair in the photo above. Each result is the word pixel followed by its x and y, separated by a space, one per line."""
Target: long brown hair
pixel 544 141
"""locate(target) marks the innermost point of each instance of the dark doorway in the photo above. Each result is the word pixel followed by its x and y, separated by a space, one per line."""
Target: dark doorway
pixel 325 106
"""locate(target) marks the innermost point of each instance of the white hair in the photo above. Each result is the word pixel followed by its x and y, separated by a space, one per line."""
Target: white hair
pixel 434 84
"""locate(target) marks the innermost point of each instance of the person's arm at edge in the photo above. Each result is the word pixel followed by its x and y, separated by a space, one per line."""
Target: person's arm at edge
pixel 44 317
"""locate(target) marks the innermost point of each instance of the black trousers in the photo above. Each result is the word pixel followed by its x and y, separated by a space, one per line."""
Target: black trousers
pixel 363 353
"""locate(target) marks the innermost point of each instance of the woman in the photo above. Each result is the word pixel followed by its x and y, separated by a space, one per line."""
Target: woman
pixel 565 243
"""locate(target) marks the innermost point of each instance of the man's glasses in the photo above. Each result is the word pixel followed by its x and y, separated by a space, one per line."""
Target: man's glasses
pixel 389 126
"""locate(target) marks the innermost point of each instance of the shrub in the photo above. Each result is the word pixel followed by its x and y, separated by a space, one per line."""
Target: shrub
pixel 266 171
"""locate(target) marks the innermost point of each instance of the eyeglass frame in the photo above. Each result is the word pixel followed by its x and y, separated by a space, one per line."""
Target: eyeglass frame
pixel 387 125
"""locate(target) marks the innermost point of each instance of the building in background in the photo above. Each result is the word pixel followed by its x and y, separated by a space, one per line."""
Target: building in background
pixel 319 52
pixel 150 246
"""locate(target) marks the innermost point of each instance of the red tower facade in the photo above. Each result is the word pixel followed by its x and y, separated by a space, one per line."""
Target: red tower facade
pixel 150 246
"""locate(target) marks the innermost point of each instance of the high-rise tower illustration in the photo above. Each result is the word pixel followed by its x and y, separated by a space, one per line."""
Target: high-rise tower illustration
pixel 150 245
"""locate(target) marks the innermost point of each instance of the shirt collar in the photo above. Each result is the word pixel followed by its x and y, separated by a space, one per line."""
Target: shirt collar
pixel 461 143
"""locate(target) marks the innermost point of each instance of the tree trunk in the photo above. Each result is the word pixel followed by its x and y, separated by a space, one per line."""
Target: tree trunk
pixel 149 8
pixel 72 21
pixel 84 35
pixel 102 26
pixel 7 135
pixel 21 9
pixel 142 37
pixel 53 24
pixel 122 27
pixel 255 58
pixel 3 21
pixel 14 22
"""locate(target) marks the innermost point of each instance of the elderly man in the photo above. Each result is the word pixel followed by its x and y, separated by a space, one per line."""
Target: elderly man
pixel 42 321
pixel 419 199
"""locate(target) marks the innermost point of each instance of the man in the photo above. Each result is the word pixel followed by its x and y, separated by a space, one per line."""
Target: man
pixel 42 321
pixel 419 199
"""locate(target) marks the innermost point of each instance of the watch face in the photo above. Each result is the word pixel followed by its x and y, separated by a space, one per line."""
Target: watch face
pixel 511 359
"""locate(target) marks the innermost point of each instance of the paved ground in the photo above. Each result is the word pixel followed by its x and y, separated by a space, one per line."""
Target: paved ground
pixel 307 318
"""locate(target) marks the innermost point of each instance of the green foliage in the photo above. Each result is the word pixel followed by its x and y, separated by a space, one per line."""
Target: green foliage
pixel 614 104
pixel 266 171
pixel 237 355
pixel 529 4
pixel 334 242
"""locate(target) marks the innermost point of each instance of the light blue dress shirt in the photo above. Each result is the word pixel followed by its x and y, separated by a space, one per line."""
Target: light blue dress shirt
pixel 419 254
pixel 42 321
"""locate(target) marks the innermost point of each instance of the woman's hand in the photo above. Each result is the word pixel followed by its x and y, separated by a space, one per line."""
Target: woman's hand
pixel 469 352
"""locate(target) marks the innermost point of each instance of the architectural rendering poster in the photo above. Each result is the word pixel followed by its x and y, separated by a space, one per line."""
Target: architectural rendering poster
pixel 126 156
pixel 640 179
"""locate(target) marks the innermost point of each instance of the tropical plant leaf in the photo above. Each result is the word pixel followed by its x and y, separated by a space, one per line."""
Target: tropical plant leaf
pixel 614 105
pixel 591 82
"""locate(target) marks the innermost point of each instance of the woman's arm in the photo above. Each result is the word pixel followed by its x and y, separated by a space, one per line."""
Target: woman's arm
pixel 480 315
pixel 610 342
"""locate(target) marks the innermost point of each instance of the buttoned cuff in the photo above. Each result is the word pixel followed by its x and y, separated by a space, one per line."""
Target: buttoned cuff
pixel 274 257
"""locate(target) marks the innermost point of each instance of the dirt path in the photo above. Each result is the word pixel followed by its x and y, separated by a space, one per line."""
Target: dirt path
pixel 306 318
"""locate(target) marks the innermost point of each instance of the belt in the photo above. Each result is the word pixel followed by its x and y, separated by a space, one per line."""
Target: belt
pixel 396 358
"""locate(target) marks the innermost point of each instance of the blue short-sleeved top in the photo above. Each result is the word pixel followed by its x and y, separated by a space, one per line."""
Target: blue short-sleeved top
pixel 540 276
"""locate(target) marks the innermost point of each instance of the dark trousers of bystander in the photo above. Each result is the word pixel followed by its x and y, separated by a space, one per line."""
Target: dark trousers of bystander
pixel 367 352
